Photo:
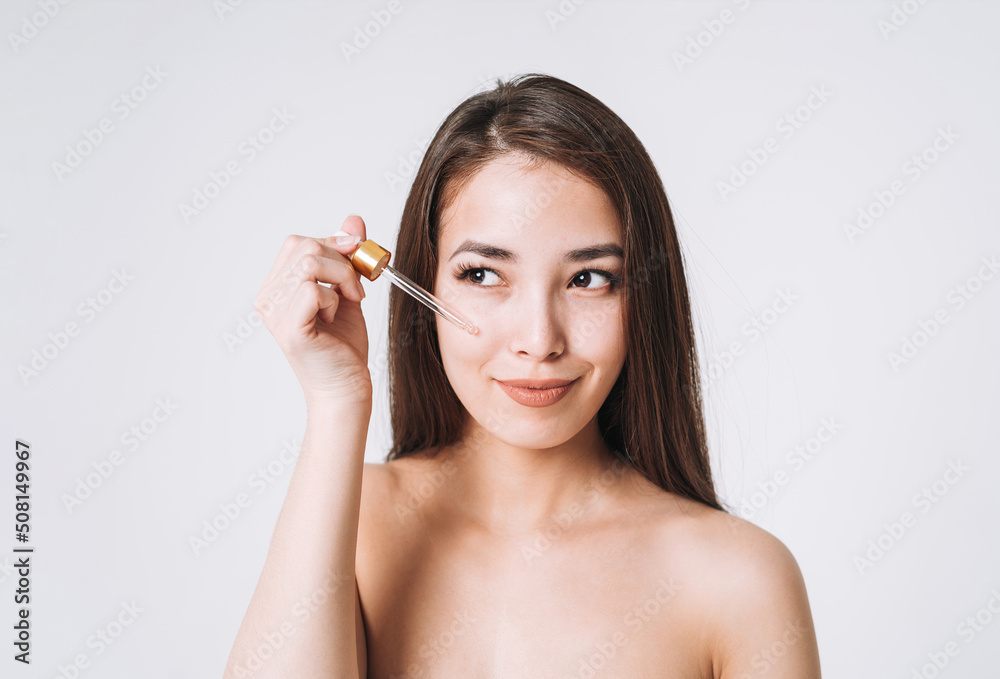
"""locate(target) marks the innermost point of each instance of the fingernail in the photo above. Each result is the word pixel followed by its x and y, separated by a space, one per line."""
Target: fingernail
pixel 346 238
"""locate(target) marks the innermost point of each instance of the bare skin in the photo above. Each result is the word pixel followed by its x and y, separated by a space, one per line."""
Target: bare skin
pixel 527 549
pixel 639 583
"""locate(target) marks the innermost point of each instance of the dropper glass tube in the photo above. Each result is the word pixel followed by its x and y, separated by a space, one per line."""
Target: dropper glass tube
pixel 371 260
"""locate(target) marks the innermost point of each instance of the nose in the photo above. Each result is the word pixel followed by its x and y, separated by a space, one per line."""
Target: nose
pixel 537 329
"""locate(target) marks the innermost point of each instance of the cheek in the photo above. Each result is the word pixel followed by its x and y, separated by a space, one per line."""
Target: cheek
pixel 596 331
pixel 479 305
pixel 463 355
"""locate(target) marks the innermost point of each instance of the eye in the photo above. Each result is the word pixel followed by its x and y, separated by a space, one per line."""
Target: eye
pixel 472 273
pixel 587 275
pixel 476 275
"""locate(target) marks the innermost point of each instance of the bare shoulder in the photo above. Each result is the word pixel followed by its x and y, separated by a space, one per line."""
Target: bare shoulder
pixel 757 614
pixel 387 486
pixel 387 477
pixel 377 483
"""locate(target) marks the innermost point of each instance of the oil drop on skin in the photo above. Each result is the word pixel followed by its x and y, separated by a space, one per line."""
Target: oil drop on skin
pixel 372 260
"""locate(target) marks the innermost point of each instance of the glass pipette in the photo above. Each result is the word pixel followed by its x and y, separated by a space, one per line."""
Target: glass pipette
pixel 371 260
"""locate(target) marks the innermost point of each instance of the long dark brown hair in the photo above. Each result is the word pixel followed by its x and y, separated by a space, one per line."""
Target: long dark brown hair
pixel 653 413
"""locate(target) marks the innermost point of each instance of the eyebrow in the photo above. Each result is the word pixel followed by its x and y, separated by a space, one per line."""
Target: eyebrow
pixel 579 255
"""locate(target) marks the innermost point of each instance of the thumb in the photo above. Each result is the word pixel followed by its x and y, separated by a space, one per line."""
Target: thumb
pixel 352 232
pixel 355 226
pixel 345 241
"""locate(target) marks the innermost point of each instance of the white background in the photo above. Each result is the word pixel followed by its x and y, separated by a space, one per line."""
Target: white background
pixel 895 74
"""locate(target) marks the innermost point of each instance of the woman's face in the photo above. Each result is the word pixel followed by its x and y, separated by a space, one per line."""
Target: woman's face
pixel 514 257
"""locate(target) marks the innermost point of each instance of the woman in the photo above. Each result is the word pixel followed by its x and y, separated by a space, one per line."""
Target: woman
pixel 547 507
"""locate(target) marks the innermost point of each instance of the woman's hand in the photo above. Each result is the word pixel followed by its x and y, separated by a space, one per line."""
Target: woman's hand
pixel 320 329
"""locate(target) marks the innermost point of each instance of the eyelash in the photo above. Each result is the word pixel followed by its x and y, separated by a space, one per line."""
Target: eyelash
pixel 463 273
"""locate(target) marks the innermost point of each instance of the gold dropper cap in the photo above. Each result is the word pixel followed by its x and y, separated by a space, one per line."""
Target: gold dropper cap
pixel 369 259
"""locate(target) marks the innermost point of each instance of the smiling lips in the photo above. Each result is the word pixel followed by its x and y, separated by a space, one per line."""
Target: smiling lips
pixel 536 393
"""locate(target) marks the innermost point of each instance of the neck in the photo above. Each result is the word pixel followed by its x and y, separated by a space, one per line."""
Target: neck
pixel 511 490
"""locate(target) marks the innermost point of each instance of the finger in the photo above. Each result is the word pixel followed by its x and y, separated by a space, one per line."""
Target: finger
pixel 311 300
pixel 355 226
pixel 323 269
pixel 291 242
pixel 347 248
pixel 295 247
pixel 274 300
pixel 342 242
pixel 314 260
pixel 331 299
